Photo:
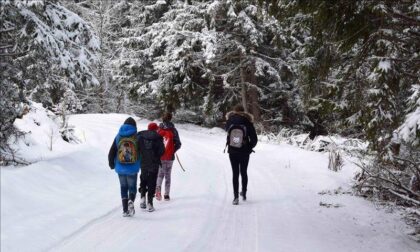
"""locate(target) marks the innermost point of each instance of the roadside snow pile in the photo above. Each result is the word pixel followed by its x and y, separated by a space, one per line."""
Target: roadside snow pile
pixel 43 136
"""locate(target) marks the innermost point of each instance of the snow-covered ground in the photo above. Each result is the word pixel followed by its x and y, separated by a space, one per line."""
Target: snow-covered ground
pixel 70 201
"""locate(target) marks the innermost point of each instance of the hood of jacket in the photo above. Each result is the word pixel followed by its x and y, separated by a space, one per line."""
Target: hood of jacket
pixel 242 114
pixel 166 125
pixel 127 130
pixel 149 134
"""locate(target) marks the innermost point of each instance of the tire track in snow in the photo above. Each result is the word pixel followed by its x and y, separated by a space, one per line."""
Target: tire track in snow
pixel 237 227
pixel 70 236
pixel 201 243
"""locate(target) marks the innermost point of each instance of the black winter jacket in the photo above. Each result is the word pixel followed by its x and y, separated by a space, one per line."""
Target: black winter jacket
pixel 151 149
pixel 246 119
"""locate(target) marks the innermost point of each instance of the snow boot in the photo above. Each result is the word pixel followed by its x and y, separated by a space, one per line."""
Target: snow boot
pixel 132 197
pixel 243 195
pixel 143 202
pixel 150 207
pixel 125 207
pixel 158 195
pixel 235 201
pixel 166 197
pixel 131 210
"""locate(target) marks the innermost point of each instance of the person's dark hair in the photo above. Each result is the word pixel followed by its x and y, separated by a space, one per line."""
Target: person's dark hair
pixel 130 121
pixel 239 108
pixel 167 117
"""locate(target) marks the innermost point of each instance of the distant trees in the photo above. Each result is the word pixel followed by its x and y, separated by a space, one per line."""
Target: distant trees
pixel 200 58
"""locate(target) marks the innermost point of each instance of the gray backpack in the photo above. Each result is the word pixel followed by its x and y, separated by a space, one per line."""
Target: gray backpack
pixel 237 137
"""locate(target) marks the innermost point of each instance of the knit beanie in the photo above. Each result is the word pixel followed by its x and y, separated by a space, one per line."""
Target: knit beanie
pixel 152 126
pixel 130 121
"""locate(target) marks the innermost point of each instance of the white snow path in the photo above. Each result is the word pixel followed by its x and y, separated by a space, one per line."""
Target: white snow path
pixel 73 204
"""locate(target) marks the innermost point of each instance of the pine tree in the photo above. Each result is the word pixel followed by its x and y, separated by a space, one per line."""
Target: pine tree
pixel 46 52
pixel 357 63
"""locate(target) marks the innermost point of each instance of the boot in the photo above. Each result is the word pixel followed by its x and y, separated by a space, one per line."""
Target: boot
pixel 143 202
pixel 235 201
pixel 125 207
pixel 243 194
pixel 132 197
pixel 150 207
pixel 158 195
pixel 131 210
pixel 150 199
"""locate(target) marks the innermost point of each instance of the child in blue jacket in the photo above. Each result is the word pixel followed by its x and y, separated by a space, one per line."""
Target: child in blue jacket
pixel 125 159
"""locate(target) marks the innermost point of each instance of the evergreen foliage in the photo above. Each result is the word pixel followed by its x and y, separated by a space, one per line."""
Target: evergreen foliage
pixel 188 58
pixel 358 62
pixel 46 52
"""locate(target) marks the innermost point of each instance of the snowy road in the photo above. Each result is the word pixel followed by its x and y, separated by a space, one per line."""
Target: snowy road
pixel 80 209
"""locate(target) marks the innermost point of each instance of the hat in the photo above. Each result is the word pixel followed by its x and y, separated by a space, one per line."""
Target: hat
pixel 152 126
pixel 130 121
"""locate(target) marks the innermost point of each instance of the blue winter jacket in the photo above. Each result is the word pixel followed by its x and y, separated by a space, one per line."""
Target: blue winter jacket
pixel 123 169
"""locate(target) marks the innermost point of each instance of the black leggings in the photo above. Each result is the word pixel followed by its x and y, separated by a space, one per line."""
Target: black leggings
pixel 148 184
pixel 239 163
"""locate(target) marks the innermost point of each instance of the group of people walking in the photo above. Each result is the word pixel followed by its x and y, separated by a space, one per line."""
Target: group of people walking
pixel 153 151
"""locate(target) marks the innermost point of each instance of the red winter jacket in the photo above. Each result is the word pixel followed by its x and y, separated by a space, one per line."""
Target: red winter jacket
pixel 168 141
pixel 171 140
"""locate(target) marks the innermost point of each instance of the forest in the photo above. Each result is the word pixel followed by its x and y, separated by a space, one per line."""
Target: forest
pixel 349 68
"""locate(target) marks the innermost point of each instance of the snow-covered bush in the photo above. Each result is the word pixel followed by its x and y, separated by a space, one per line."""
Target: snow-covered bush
pixel 396 181
pixel 69 104
pixel 349 146
pixel 43 135
pixel 335 159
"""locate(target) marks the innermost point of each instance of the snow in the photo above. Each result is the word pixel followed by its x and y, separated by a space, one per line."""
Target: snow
pixel 70 201
pixel 410 126
pixel 384 65
pixel 231 13
pixel 29 3
pixel 41 134
pixel 408 130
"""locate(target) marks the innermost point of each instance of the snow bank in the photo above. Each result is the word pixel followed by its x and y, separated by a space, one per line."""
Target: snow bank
pixel 42 139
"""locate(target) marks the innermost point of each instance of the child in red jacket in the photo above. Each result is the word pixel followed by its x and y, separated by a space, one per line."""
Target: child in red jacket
pixel 172 144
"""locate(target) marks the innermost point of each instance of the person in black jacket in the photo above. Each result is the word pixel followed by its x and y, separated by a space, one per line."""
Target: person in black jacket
pixel 151 149
pixel 241 121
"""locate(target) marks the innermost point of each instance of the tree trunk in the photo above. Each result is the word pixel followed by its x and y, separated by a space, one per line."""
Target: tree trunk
pixel 252 94
pixel 243 85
